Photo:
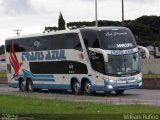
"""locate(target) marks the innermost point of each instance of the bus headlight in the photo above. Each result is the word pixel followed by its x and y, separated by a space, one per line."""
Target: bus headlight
pixel 110 86
pixel 111 81
pixel 140 84
pixel 139 78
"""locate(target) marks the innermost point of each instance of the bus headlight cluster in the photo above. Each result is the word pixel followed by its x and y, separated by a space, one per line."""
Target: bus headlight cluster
pixel 140 84
pixel 110 86
pixel 139 78
pixel 112 81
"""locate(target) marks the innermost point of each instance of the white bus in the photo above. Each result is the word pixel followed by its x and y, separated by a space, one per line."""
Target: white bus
pixel 84 60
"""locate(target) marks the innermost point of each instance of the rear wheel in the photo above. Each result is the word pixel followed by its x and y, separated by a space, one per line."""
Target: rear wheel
pixel 87 88
pixel 22 85
pixel 29 85
pixel 119 92
pixel 76 87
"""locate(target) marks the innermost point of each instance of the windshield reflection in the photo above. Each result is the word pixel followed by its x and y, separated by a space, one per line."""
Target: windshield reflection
pixel 119 65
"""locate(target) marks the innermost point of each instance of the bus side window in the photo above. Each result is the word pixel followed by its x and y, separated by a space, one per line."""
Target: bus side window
pixel 96 44
pixel 40 44
pixel 85 42
pixel 73 42
pixel 26 44
pixel 17 46
pixel 90 39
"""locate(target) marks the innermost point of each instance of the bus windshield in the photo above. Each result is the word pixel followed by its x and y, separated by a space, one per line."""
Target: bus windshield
pixel 116 39
pixel 121 65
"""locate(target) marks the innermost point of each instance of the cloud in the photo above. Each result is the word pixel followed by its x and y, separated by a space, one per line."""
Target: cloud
pixel 17 7
pixel 128 1
pixel 142 1
pixel 93 1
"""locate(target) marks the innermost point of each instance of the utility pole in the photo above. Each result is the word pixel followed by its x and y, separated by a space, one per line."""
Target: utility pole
pixel 122 13
pixel 17 32
pixel 96 16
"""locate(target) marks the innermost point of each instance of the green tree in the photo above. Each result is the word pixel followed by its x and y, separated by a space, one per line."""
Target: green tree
pixel 49 29
pixel 61 22
pixel 1 49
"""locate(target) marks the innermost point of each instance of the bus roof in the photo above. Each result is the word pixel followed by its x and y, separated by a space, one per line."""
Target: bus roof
pixel 104 28
pixel 44 34
pixel 68 31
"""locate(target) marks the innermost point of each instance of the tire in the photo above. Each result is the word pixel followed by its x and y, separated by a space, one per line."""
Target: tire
pixel 87 88
pixel 22 85
pixel 119 92
pixel 76 89
pixel 29 85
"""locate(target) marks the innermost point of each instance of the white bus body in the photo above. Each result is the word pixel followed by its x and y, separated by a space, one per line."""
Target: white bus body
pixel 82 60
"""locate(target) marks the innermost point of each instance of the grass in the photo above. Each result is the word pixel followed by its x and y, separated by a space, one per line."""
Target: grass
pixel 43 109
pixel 3 73
pixel 151 75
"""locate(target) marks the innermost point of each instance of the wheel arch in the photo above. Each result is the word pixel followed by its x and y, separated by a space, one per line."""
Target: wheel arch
pixel 19 80
pixel 29 78
pixel 74 79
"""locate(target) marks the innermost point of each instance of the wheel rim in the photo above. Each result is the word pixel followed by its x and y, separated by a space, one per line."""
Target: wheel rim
pixel 30 85
pixel 88 88
pixel 76 87
pixel 22 85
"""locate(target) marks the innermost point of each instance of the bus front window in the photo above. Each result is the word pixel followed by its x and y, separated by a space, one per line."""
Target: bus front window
pixel 121 65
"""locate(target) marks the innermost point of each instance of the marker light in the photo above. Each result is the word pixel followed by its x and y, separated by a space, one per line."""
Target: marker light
pixel 140 84
pixel 111 81
pixel 139 78
pixel 110 86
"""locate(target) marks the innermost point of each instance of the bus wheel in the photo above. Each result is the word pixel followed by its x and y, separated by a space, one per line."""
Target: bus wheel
pixel 22 85
pixel 76 88
pixel 119 92
pixel 87 88
pixel 29 85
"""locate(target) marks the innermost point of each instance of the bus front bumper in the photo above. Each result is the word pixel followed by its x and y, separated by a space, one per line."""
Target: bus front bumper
pixel 117 86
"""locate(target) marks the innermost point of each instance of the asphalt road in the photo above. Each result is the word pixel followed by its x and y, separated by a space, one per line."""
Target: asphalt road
pixel 137 96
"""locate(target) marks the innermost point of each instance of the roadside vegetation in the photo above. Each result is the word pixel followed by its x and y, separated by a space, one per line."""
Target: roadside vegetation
pixel 3 73
pixel 151 75
pixel 45 108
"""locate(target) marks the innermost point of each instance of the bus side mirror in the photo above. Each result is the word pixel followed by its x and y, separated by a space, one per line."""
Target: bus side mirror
pixel 146 51
pixel 103 52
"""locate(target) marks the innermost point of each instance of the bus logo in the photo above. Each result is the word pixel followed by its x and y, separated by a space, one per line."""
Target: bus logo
pixel 14 62
pixel 124 45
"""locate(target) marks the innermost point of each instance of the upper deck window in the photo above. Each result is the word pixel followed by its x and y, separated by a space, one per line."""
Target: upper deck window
pixel 90 38
pixel 50 42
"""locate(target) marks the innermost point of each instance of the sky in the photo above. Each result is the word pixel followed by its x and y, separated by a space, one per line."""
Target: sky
pixel 32 16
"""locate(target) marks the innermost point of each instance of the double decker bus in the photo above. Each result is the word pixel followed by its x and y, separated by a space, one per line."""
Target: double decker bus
pixel 83 60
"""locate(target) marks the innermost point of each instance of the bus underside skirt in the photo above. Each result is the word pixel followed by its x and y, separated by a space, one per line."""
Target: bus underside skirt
pixel 53 86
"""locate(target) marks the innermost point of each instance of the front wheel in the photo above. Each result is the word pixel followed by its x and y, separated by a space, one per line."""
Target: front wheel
pixel 29 85
pixel 22 85
pixel 119 92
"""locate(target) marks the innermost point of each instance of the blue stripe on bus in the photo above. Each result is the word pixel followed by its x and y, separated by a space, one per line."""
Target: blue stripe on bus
pixel 14 85
pixel 38 77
